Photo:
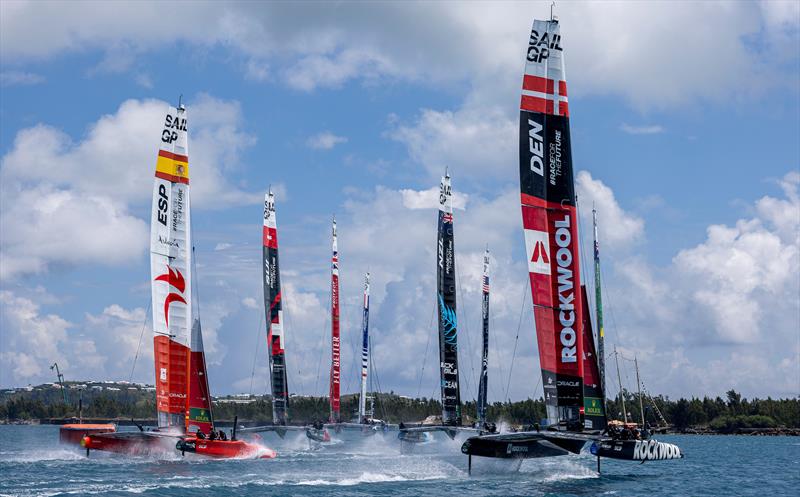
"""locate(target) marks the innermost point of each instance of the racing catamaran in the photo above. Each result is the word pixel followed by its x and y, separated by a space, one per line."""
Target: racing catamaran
pixel 570 371
pixel 183 402
pixel 448 327
pixel 483 386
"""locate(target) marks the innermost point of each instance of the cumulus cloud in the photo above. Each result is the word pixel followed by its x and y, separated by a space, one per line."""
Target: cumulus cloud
pixel 429 199
pixel 618 228
pixel 328 45
pixel 31 341
pixel 652 129
pixel 472 143
pixel 738 288
pixel 20 78
pixel 57 204
pixel 325 141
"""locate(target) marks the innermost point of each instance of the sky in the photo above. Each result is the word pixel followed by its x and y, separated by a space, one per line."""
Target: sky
pixel 685 120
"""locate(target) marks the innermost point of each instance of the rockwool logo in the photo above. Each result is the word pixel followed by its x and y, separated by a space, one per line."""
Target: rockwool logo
pixel 538 249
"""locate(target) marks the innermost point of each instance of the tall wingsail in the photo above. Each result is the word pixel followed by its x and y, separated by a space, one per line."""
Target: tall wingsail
pixel 484 381
pixel 593 393
pixel 598 297
pixel 335 342
pixel 362 400
pixel 200 415
pixel 446 303
pixel 170 263
pixel 273 306
pixel 550 220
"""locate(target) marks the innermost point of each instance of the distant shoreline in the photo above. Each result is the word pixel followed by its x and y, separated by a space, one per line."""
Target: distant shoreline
pixel 699 430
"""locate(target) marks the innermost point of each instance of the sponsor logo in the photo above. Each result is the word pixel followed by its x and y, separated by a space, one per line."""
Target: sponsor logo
pixel 653 450
pixel 539 249
pixel 540 46
pixel 175 280
pixel 444 193
pixel 536 147
pixel 511 448
pixel 565 383
pixel 163 203
pixel 163 375
pixel 566 290
pixel 555 157
pixel 449 322
pixel 171 127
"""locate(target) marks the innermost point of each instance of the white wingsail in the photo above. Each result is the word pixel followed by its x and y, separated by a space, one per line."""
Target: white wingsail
pixel 170 267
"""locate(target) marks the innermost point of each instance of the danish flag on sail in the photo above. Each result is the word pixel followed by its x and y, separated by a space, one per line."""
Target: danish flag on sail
pixel 550 222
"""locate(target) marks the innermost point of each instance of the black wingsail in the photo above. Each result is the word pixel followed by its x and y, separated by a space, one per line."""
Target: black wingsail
pixel 446 303
pixel 274 312
pixel 484 382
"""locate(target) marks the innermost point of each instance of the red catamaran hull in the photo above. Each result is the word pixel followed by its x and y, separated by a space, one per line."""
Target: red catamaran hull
pixel 132 443
pixel 225 449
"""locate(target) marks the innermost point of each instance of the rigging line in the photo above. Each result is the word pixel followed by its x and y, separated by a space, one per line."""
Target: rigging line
pixel 255 355
pixel 141 334
pixel 609 305
pixel 288 333
pixel 516 340
pixel 497 358
pixel 195 280
pixel 470 350
pixel 352 373
pixel 325 329
pixel 427 345
pixel 585 267
pixel 374 368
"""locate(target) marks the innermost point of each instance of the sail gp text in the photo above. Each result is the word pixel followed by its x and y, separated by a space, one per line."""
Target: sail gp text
pixel 540 46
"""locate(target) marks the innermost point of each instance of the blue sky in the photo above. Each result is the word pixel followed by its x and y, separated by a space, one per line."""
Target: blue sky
pixel 684 138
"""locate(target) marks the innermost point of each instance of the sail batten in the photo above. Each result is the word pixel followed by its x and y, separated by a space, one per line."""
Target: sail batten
pixel 273 306
pixel 446 304
pixel 550 220
pixel 170 268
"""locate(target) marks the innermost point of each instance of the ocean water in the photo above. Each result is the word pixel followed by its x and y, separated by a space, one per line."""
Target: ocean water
pixel 32 463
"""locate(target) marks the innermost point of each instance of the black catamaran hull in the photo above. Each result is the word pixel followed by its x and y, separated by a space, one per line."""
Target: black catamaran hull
pixel 526 445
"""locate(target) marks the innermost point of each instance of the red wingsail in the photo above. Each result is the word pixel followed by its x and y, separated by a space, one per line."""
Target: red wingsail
pixel 550 220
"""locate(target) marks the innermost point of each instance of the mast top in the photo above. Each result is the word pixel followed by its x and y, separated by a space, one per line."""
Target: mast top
pixel 553 18
pixel 181 107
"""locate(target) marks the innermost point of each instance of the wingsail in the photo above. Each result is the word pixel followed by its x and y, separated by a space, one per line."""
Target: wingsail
pixel 199 413
pixel 273 307
pixel 446 300
pixel 170 263
pixel 593 394
pixel 362 400
pixel 335 416
pixel 484 381
pixel 561 312
pixel 550 220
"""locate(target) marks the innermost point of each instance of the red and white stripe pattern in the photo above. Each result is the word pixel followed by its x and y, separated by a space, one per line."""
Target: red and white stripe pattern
pixel 544 86
pixel 544 95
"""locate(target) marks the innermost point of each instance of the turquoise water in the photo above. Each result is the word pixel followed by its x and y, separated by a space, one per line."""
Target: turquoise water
pixel 33 463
